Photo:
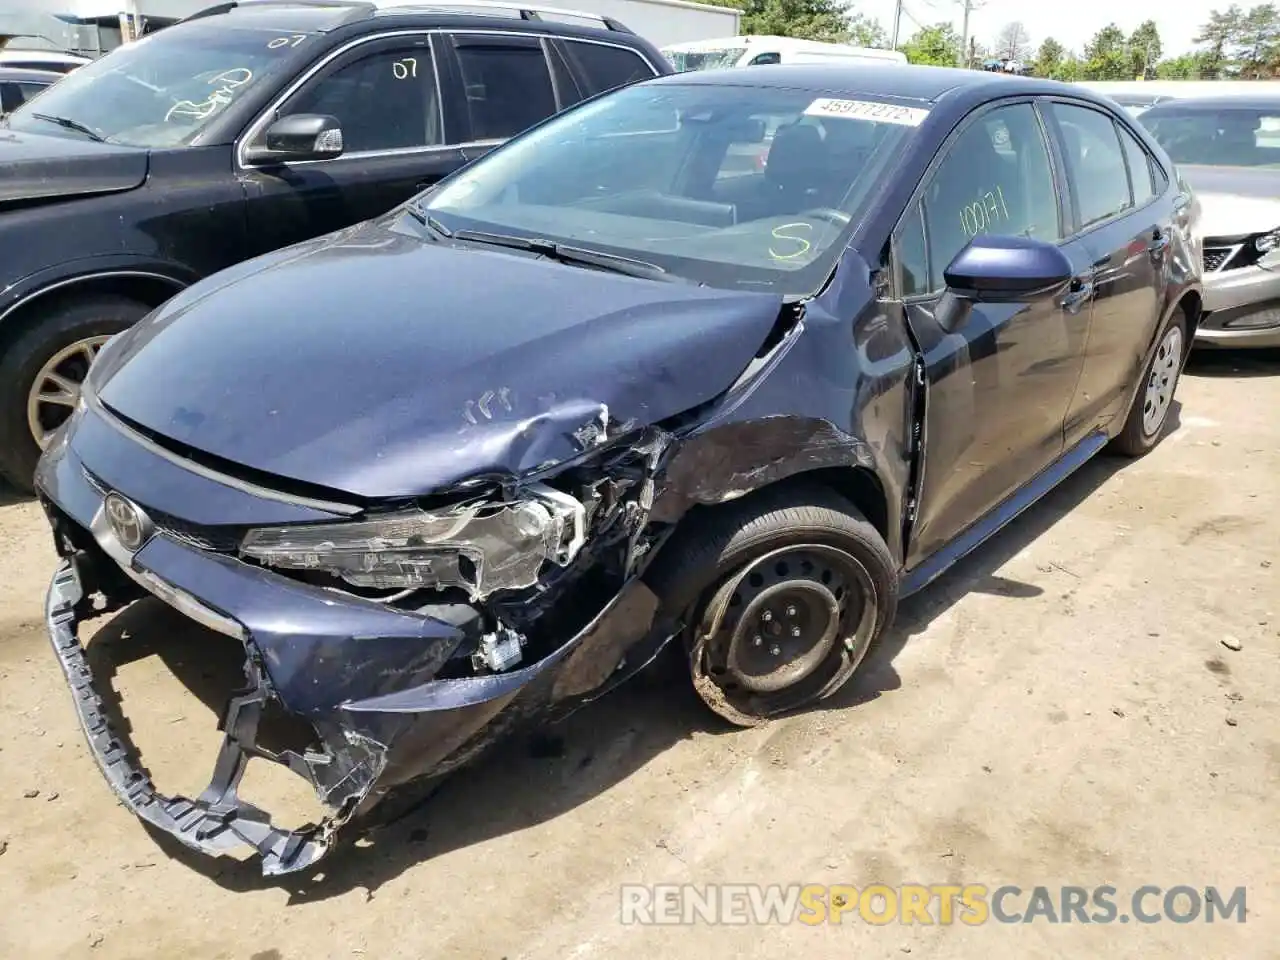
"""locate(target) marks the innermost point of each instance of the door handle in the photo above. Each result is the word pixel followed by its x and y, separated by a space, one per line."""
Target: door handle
pixel 1159 241
pixel 1078 294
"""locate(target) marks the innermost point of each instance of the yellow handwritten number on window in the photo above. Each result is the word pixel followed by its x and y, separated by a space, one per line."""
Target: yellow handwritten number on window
pixel 803 245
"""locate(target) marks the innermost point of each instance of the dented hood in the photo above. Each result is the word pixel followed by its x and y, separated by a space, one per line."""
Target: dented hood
pixel 37 167
pixel 384 365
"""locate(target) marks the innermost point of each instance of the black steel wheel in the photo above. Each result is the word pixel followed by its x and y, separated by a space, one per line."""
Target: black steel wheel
pixel 783 595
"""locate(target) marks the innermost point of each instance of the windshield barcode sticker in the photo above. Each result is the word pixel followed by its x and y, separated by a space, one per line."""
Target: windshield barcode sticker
pixel 867 110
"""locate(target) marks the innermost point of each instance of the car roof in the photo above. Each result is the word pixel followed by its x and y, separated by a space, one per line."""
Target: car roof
pixel 870 79
pixel 1252 101
pixel 323 16
pixel 23 75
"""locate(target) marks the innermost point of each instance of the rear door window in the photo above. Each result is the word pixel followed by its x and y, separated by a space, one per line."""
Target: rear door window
pixel 1139 168
pixel 605 67
pixel 1095 163
pixel 507 83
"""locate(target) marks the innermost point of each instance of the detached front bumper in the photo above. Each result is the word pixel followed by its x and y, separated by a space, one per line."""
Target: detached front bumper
pixel 361 675
pixel 218 820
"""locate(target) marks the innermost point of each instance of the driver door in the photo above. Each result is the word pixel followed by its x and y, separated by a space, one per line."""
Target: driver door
pixel 385 97
pixel 1000 376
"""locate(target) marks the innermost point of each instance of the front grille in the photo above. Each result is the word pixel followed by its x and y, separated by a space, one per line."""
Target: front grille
pixel 218 539
pixel 1215 258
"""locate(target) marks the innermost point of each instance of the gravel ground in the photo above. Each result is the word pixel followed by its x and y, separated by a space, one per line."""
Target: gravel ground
pixel 1090 699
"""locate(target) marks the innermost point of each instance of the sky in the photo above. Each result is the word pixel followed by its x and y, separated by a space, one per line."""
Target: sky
pixel 1071 22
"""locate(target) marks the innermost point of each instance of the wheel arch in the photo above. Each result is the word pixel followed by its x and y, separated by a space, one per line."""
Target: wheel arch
pixel 149 287
pixel 857 486
pixel 1191 303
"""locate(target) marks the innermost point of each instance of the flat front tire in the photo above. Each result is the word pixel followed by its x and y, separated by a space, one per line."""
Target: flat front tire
pixel 783 595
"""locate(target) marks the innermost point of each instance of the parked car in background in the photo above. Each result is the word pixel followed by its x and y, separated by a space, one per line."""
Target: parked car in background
pixel 750 51
pixel 243 129
pixel 1137 102
pixel 18 86
pixel 1228 149
pixel 482 457
pixel 50 60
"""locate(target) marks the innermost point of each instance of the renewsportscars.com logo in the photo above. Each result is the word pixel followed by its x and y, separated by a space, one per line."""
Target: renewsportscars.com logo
pixel 972 904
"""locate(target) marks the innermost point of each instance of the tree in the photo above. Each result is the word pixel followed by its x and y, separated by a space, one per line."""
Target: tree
pixel 866 32
pixel 1186 67
pixel 1218 37
pixel 1105 56
pixel 1257 40
pixel 1144 49
pixel 938 46
pixel 1013 42
pixel 1049 57
pixel 807 19
pixel 1069 69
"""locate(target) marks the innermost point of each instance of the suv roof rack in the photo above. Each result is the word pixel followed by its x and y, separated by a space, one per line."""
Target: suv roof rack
pixel 516 8
pixel 525 11
pixel 359 8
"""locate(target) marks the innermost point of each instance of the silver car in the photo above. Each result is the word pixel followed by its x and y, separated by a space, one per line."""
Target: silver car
pixel 1228 150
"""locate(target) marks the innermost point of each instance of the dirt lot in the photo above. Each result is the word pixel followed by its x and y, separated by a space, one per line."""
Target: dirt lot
pixel 1066 708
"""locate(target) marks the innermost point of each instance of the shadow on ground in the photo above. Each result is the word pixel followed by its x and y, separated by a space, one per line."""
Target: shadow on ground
pixel 534 778
pixel 1234 363
pixel 9 496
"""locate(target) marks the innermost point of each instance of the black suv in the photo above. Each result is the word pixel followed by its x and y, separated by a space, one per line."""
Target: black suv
pixel 245 128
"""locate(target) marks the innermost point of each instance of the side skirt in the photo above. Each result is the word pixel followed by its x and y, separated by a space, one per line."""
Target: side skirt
pixel 1003 514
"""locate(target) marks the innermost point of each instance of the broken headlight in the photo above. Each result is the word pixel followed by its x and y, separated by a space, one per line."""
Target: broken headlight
pixel 479 546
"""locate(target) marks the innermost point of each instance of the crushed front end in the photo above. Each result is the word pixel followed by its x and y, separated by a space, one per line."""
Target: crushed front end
pixel 404 639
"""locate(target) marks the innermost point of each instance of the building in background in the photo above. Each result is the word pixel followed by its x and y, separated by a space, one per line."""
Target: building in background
pixel 87 27
pixel 95 27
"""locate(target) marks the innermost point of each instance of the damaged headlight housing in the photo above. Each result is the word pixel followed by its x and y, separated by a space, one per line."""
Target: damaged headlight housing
pixel 480 546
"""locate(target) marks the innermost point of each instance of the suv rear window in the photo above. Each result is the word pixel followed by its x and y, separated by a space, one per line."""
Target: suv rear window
pixel 606 66
pixel 507 82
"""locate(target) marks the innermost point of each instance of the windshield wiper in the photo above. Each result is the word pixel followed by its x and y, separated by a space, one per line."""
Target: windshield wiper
pixel 70 124
pixel 565 253
pixel 428 221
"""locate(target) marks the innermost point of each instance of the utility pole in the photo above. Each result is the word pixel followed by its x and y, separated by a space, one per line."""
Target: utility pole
pixel 897 24
pixel 964 32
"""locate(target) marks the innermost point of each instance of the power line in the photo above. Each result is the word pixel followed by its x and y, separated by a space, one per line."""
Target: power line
pixel 899 11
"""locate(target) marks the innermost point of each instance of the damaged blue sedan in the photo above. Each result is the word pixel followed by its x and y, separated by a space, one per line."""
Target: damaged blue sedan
pixel 726 360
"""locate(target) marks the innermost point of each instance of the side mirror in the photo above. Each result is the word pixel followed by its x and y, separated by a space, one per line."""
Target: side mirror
pixel 301 136
pixel 996 269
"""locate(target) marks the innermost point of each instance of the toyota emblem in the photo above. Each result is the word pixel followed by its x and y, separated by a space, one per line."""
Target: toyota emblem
pixel 128 523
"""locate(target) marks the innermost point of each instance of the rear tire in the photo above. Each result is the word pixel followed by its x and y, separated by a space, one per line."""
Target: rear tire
pixel 1149 415
pixel 77 327
pixel 784 593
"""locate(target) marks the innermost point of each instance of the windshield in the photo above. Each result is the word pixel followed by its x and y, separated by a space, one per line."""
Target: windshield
pixel 705 59
pixel 1214 136
pixel 161 91
pixel 731 186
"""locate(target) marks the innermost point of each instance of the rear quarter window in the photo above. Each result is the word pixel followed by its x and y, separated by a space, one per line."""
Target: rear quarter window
pixel 604 66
